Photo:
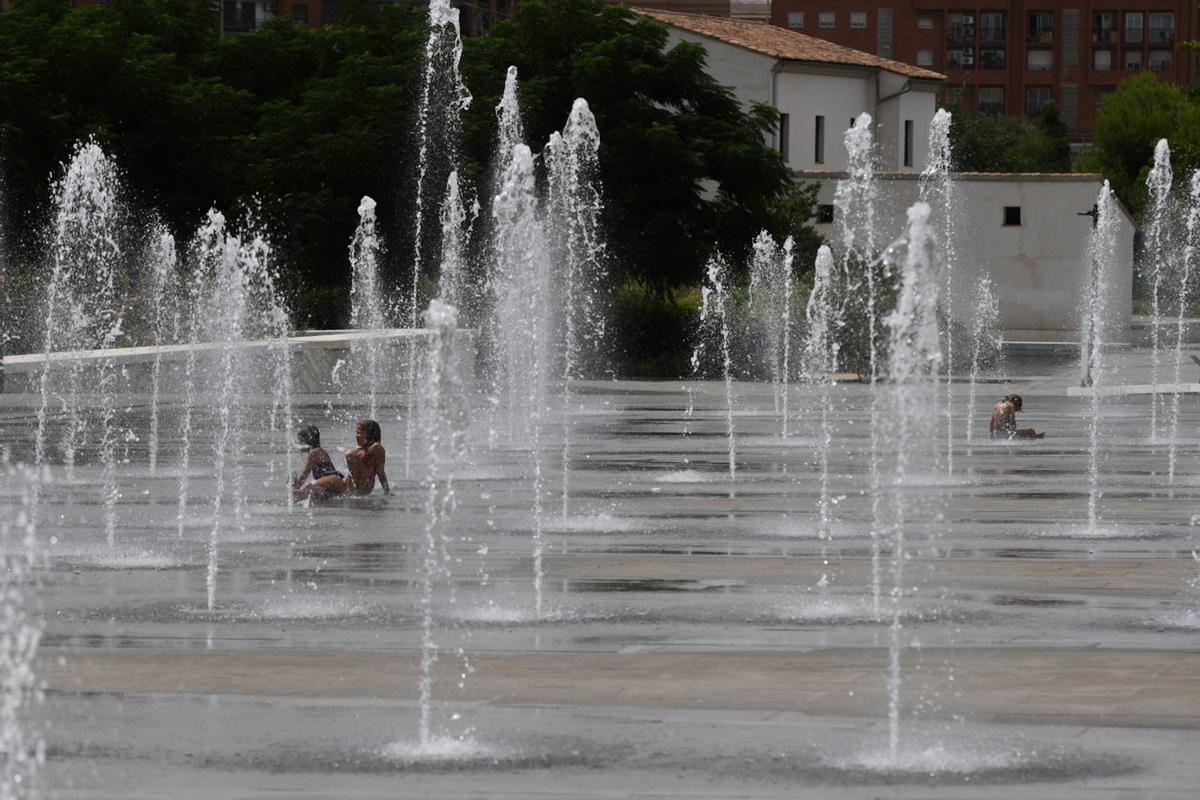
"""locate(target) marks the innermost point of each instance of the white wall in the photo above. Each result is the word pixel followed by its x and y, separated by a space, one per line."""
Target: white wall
pixel 837 98
pixel 1039 268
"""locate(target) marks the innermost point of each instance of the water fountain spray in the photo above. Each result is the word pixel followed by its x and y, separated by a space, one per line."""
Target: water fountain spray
pixel 714 322
pixel 1185 289
pixel 164 320
pixel 457 219
pixel 574 211
pixel 23 749
pixel 1158 254
pixel 83 313
pixel 985 324
pixel 771 306
pixel 444 98
pixel 1102 257
pixel 819 366
pixel 443 423
pixel 937 189
pixel 914 359
pixel 366 305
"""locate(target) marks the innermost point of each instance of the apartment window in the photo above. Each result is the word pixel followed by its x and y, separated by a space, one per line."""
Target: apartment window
pixel 908 142
pixel 1102 59
pixel 827 19
pixel 925 23
pixel 819 141
pixel 1104 27
pixel 960 58
pixel 784 128
pixel 955 96
pixel 331 12
pixel 1012 215
pixel 1133 60
pixel 991 100
pixel 1133 27
pixel 924 58
pixel 1161 60
pixel 300 13
pixel 1041 27
pixel 824 214
pixel 1041 59
pixel 858 19
pixel 961 27
pixel 991 58
pixel 795 19
pixel 1100 94
pixel 991 26
pixel 1035 98
pixel 1162 28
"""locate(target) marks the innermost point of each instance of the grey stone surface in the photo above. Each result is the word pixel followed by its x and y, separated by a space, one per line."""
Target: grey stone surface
pixel 685 648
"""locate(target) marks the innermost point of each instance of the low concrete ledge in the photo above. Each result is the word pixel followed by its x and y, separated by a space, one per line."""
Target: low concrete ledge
pixel 1122 390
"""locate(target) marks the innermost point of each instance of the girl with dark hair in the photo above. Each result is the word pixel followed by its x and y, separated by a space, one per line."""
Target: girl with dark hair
pixel 1003 424
pixel 367 461
pixel 318 464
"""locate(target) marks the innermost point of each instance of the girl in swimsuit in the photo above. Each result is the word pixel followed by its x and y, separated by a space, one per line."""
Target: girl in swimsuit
pixel 319 465
pixel 367 461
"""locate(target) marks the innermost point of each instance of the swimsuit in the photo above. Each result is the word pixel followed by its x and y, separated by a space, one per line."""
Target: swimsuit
pixel 323 469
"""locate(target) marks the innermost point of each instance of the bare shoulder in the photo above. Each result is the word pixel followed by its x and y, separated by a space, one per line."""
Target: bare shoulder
pixel 377 452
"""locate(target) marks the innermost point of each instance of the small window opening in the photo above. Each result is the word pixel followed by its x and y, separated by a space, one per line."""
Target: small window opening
pixel 1012 215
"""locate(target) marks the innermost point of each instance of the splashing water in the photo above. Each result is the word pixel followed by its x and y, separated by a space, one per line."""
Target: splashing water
pixel 854 200
pixel 985 335
pixel 457 218
pixel 1102 257
pixel 367 305
pixel 164 320
pixel 819 365
pixel 771 307
pixel 1158 253
pixel 915 356
pixel 1185 288
pixel 714 322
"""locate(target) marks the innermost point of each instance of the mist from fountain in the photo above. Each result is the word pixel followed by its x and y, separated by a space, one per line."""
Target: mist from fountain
pixel 937 189
pixel 443 422
pixel 985 337
pixel 714 327
pixel 20 635
pixel 444 98
pixel 820 360
pixel 457 219
pixel 914 359
pixel 574 207
pixel 1159 250
pixel 771 308
pixel 83 312
pixel 1102 256
pixel 1186 261
pixel 367 311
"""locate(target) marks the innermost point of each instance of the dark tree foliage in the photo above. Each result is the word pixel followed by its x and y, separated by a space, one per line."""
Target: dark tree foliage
pixel 994 143
pixel 298 124
pixel 684 167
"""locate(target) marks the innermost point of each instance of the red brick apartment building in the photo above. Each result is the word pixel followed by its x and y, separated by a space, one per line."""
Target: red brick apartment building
pixel 1011 57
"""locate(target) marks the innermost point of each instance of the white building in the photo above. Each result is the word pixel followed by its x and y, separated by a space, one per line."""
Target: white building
pixel 819 88
pixel 1024 231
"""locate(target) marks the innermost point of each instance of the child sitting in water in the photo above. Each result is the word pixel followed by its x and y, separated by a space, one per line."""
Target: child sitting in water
pixel 365 463
pixel 1003 424
pixel 319 465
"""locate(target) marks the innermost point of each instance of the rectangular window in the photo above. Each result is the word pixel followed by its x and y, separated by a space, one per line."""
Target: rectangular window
pixel 1162 28
pixel 827 19
pixel 1012 215
pixel 795 19
pixel 1041 59
pixel 991 26
pixel 924 58
pixel 991 58
pixel 925 23
pixel 331 12
pixel 991 100
pixel 1133 60
pixel 908 142
pixel 960 58
pixel 819 143
pixel 1161 60
pixel 1102 59
pixel 858 19
pixel 1133 27
pixel 1041 27
pixel 955 96
pixel 1100 93
pixel 1104 27
pixel 783 136
pixel 1035 98
pixel 960 27
pixel 300 13
pixel 824 214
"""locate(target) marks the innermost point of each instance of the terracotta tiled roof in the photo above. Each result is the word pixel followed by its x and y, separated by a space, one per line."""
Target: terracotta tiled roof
pixel 777 42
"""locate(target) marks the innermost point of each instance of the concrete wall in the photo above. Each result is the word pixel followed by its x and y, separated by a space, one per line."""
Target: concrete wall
pixel 1039 268
pixel 838 97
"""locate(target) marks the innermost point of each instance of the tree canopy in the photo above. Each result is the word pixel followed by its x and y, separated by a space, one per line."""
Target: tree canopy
pixel 300 123
pixel 996 143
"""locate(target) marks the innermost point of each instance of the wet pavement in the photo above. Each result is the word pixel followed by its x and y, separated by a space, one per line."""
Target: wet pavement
pixel 685 646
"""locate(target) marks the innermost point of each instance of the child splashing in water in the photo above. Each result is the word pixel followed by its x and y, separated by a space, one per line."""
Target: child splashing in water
pixel 365 463
pixel 318 464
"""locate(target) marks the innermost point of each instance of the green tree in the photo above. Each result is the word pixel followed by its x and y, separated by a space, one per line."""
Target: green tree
pixel 684 167
pixel 995 143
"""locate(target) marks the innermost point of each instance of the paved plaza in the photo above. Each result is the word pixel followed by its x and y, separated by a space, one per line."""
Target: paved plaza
pixel 697 637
